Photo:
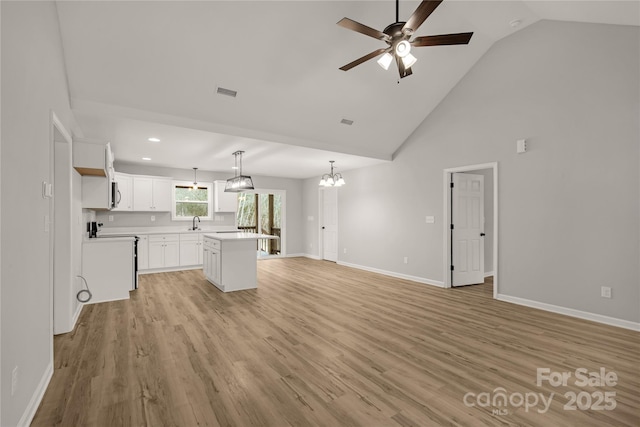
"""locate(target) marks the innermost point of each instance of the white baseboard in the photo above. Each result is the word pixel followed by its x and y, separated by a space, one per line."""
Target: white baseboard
pixel 170 269
pixel 105 300
pixel 316 257
pixel 38 394
pixel 571 312
pixel 394 274
pixel 488 274
pixel 74 319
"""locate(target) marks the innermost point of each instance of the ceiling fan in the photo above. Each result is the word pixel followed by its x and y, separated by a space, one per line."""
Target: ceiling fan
pixel 398 35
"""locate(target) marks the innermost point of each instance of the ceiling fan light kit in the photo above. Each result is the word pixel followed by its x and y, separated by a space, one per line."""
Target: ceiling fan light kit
pixel 385 60
pixel 398 37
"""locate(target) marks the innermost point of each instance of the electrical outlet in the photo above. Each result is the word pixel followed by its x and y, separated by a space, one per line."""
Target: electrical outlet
pixel 110 218
pixel 153 218
pixel 14 380
pixel 406 260
pixel 605 292
pixel 344 250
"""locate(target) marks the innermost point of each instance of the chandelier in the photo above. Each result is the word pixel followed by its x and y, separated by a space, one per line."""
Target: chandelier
pixel 332 179
pixel 239 182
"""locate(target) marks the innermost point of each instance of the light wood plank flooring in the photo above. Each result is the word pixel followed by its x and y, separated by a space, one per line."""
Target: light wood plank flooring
pixel 319 344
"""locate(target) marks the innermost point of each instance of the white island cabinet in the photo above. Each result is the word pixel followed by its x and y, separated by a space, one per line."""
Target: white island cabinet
pixel 230 260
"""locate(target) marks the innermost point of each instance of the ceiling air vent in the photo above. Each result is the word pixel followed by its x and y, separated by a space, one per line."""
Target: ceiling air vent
pixel 227 92
pixel 346 122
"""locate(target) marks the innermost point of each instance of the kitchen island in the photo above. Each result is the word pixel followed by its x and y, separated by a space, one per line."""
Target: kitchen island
pixel 230 260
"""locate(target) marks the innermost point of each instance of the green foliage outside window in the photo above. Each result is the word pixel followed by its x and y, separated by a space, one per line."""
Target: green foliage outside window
pixel 190 202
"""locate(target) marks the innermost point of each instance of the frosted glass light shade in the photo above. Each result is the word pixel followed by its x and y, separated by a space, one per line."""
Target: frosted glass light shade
pixel 403 48
pixel 408 60
pixel 385 60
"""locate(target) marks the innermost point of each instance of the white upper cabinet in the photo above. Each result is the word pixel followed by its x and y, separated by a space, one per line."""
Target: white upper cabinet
pixel 94 161
pixel 151 194
pixel 224 202
pixel 92 158
pixel 125 192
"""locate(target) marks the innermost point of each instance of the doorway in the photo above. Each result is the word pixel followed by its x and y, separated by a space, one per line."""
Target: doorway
pixel 490 226
pixel 263 211
pixel 329 221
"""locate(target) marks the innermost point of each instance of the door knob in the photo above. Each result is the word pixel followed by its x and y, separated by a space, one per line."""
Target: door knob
pixel 323 227
pixel 481 234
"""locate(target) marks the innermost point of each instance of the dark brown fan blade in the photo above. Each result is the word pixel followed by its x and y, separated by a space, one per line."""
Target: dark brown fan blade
pixel 404 72
pixel 443 39
pixel 423 11
pixel 367 57
pixel 350 24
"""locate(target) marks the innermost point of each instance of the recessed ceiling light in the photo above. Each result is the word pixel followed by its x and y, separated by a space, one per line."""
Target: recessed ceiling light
pixel 346 122
pixel 227 92
pixel 146 158
pixel 153 140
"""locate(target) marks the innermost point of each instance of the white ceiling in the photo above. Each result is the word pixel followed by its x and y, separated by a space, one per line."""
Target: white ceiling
pixel 150 69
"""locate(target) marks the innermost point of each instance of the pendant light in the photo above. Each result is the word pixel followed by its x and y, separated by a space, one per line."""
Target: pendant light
pixel 195 179
pixel 331 179
pixel 239 182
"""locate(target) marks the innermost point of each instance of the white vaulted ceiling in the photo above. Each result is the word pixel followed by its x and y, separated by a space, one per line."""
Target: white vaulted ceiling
pixel 151 68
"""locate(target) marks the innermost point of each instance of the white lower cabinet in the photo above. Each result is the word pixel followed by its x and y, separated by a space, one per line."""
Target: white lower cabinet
pixel 211 261
pixel 143 252
pixel 164 250
pixel 191 252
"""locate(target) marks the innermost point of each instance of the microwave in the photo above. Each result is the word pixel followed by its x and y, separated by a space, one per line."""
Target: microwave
pixel 115 195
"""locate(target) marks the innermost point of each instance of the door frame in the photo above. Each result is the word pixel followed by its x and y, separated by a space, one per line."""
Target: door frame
pixel 446 268
pixel 55 128
pixel 283 218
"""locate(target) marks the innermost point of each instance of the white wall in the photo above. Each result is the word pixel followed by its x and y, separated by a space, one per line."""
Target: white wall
pixel 293 187
pixel 33 85
pixel 569 211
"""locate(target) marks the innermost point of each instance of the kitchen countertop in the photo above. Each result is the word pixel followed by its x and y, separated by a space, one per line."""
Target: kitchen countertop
pixel 109 239
pixel 162 230
pixel 239 236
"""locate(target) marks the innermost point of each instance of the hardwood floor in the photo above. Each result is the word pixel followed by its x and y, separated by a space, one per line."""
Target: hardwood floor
pixel 319 344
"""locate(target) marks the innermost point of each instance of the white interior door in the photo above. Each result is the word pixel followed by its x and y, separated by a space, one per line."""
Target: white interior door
pixel 467 234
pixel 330 224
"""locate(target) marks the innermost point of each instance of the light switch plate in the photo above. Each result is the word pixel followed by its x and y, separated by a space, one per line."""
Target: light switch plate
pixel 430 219
pixel 521 146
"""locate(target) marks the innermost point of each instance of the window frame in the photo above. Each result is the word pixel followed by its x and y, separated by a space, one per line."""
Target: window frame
pixel 210 188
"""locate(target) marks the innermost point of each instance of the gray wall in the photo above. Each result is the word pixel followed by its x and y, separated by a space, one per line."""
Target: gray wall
pixel 568 208
pixel 293 188
pixel 33 85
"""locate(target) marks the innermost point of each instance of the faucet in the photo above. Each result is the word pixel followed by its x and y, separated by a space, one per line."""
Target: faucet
pixel 194 222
